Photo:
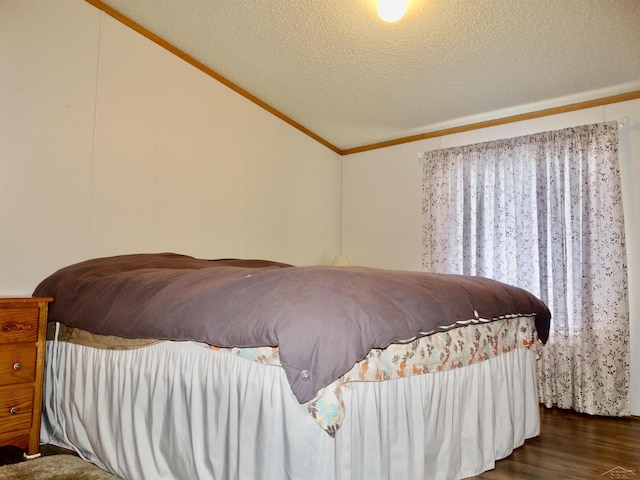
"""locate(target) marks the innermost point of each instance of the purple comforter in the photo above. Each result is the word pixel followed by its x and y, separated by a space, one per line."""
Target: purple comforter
pixel 322 319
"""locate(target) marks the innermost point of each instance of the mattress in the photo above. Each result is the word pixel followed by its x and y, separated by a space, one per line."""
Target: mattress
pixel 322 319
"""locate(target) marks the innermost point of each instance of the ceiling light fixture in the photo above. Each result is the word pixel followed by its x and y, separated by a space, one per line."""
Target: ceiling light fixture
pixel 391 10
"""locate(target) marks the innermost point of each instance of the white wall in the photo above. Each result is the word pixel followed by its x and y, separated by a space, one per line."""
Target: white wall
pixel 110 144
pixel 381 201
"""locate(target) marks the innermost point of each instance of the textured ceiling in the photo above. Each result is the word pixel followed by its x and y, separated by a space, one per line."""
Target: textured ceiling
pixel 336 69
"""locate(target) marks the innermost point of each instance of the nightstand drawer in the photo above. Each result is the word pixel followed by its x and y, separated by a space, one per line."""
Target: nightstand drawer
pixel 23 328
pixel 17 364
pixel 19 324
pixel 16 407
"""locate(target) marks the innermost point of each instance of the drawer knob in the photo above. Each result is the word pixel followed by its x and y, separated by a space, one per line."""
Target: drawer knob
pixel 17 366
pixel 14 411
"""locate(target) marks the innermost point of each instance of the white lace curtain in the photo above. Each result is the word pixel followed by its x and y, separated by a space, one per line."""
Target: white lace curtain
pixel 544 212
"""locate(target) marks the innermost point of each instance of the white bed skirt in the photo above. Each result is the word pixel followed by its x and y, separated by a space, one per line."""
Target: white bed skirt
pixel 176 410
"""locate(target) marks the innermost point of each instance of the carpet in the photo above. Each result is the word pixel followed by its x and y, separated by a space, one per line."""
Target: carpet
pixel 54 467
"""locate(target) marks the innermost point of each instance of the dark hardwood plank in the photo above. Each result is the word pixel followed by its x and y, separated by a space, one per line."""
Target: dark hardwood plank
pixel 575 446
pixel 10 454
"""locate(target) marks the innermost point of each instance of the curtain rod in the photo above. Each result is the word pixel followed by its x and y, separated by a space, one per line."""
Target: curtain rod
pixel 623 122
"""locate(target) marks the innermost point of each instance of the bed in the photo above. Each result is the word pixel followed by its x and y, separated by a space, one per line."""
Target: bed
pixel 165 366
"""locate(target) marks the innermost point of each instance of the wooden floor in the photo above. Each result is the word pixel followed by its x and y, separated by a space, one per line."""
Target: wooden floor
pixel 570 446
pixel 575 446
pixel 14 455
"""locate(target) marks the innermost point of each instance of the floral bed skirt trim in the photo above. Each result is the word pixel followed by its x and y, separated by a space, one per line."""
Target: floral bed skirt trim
pixel 455 348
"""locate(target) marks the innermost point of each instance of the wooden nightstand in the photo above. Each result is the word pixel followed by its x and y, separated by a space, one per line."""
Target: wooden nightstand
pixel 23 326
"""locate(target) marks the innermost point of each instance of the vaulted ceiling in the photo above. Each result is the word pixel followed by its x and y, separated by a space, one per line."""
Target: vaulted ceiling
pixel 338 72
